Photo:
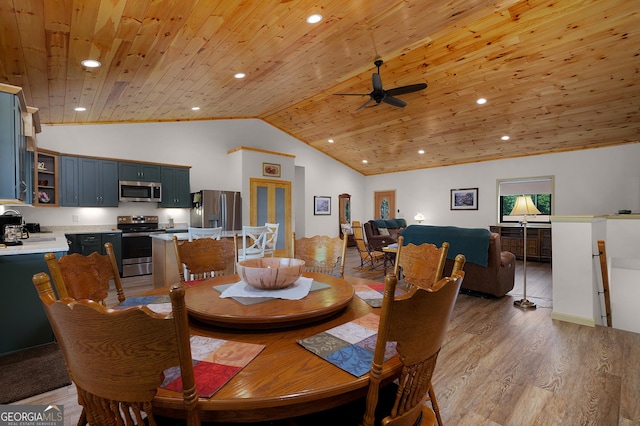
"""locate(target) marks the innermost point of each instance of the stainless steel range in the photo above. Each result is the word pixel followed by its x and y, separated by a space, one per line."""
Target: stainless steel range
pixel 136 243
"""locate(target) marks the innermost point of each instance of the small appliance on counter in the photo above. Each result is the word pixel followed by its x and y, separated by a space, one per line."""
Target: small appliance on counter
pixel 32 227
pixel 11 228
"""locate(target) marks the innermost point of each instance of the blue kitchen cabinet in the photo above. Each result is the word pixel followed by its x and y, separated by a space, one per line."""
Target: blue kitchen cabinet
pixel 14 170
pixel 98 182
pixel 176 188
pixel 138 172
pixel 87 243
pixel 23 322
pixel 69 187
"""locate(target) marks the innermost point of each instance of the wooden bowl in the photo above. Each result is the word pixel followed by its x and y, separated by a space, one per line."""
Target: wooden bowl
pixel 270 273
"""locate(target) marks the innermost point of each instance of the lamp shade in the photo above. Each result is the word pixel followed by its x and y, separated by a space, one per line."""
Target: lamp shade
pixel 418 217
pixel 524 206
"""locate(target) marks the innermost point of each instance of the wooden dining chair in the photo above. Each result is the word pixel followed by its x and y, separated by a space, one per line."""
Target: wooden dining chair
pixel 420 265
pixel 86 277
pixel 196 233
pixel 322 254
pixel 370 260
pixel 417 322
pixel 253 242
pixel 204 258
pixel 116 359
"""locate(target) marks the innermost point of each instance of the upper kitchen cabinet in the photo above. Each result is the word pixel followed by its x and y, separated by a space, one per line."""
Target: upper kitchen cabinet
pixel 69 186
pixel 15 170
pixel 98 182
pixel 176 189
pixel 46 179
pixel 138 172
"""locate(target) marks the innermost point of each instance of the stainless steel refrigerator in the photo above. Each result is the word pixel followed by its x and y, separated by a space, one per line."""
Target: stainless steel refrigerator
pixel 211 209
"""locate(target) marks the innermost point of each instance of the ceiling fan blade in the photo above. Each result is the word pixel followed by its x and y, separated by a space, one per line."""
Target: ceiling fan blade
pixel 364 104
pixel 394 101
pixel 350 94
pixel 406 89
pixel 376 81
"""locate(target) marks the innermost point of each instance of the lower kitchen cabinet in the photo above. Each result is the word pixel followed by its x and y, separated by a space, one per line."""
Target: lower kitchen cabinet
pixel 23 322
pixel 87 243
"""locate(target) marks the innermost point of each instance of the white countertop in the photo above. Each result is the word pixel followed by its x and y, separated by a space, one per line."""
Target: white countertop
pixel 185 235
pixel 38 243
pixel 169 236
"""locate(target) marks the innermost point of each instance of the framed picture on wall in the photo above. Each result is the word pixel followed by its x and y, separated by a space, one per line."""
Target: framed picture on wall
pixel 321 205
pixel 271 169
pixel 464 199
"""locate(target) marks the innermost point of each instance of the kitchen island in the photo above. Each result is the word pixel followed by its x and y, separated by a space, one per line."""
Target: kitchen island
pixel 164 261
pixel 23 323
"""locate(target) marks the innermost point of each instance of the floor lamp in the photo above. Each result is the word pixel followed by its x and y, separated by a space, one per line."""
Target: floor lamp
pixel 524 207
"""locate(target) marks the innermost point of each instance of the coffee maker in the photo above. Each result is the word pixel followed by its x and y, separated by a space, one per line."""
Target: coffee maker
pixel 11 228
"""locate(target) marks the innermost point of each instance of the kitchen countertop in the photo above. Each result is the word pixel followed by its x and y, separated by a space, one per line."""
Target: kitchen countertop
pixel 168 236
pixel 38 243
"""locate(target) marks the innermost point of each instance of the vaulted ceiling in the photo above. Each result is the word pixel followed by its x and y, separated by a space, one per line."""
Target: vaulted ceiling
pixel 558 75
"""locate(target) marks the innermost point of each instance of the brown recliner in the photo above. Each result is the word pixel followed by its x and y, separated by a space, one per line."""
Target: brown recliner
pixel 374 239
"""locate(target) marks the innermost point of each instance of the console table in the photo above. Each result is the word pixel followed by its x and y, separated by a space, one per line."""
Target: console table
pixel 538 241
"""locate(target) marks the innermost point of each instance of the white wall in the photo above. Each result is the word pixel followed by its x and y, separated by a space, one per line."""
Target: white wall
pixel 592 182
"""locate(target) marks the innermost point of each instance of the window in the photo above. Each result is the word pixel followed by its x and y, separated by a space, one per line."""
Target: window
pixel 539 188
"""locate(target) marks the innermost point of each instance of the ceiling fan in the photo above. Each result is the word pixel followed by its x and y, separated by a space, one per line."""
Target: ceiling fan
pixel 378 94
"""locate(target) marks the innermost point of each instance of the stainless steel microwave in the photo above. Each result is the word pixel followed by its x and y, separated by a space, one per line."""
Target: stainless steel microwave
pixel 140 191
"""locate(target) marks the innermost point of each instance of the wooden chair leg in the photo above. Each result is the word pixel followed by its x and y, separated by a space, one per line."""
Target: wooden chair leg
pixel 434 404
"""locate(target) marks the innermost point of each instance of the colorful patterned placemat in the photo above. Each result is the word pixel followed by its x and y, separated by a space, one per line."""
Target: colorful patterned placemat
pixel 158 304
pixel 315 285
pixel 372 293
pixel 349 346
pixel 215 362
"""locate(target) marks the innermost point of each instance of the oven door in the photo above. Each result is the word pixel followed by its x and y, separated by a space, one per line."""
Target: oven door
pixel 136 253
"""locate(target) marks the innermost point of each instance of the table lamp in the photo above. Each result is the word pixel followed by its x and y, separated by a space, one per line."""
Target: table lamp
pixel 524 207
pixel 419 217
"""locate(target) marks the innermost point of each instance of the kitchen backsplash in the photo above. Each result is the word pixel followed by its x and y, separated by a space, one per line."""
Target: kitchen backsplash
pixel 104 218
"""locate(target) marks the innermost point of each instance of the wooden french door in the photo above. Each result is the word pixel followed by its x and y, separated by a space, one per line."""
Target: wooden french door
pixel 384 204
pixel 270 202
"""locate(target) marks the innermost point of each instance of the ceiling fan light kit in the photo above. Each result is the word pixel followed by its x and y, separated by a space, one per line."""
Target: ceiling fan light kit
pixel 378 94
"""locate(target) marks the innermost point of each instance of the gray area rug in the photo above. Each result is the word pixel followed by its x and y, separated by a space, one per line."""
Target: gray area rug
pixel 32 372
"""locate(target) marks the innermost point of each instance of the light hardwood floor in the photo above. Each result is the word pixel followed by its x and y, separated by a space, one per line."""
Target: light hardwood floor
pixel 504 366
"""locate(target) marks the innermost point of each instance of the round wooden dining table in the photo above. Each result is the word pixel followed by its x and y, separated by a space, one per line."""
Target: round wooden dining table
pixel 285 379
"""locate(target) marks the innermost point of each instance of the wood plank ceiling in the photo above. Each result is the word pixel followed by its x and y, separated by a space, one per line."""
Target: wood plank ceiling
pixel 558 75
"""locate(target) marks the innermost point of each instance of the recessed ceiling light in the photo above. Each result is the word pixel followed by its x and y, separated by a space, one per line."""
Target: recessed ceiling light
pixel 91 63
pixel 80 109
pixel 421 151
pixel 195 108
pixel 330 141
pixel 240 75
pixel 505 138
pixel 481 101
pixel 365 161
pixel 314 19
